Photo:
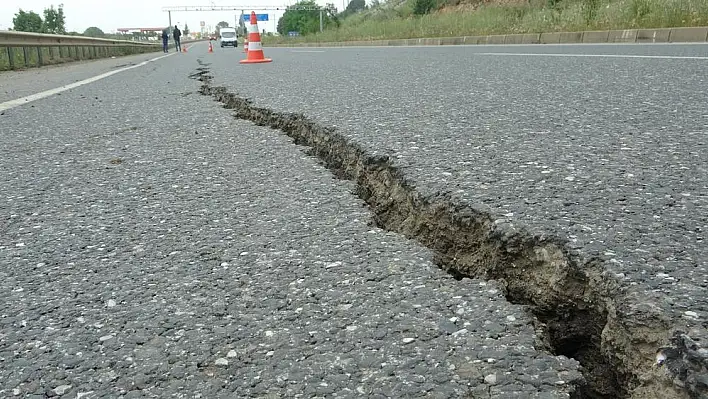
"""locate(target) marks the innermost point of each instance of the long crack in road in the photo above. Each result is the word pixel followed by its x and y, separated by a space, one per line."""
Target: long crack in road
pixel 580 309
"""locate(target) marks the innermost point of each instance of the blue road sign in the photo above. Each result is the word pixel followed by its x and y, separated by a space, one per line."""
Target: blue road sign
pixel 259 17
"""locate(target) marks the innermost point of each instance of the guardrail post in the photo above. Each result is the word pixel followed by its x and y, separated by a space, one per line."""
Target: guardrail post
pixel 51 53
pixel 95 54
pixel 11 57
pixel 24 53
pixel 39 56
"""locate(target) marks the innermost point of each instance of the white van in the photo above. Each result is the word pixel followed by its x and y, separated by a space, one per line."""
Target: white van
pixel 227 37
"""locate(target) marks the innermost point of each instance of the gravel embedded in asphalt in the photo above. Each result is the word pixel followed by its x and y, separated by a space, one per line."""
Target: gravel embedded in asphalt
pixel 22 83
pixel 606 152
pixel 154 246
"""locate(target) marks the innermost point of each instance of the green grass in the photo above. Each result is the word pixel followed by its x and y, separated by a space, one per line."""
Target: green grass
pixel 397 21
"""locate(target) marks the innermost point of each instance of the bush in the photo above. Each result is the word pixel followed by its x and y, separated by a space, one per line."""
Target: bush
pixel 422 7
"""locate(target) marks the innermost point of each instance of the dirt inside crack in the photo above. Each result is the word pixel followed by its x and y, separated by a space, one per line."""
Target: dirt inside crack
pixel 579 309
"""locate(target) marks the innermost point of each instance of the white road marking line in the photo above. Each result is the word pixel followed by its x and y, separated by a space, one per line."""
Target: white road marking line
pixel 619 44
pixel 308 51
pixel 658 57
pixel 34 97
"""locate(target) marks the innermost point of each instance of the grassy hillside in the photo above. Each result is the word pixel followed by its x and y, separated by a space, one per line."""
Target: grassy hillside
pixel 394 19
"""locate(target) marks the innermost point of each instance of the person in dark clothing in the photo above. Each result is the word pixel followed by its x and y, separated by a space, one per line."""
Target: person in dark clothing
pixel 165 37
pixel 177 34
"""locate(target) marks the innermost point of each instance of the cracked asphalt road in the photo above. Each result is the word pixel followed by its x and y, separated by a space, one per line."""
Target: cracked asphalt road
pixel 607 152
pixel 153 246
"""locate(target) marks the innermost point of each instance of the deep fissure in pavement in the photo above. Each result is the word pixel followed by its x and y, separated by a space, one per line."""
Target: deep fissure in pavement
pixel 578 306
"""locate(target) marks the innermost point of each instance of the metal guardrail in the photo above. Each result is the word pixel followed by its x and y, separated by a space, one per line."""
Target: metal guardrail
pixel 22 39
pixel 24 49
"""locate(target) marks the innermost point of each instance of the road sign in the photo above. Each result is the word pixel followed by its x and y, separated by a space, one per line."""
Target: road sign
pixel 259 17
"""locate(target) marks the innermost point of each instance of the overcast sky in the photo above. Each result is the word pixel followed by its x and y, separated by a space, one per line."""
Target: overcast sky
pixel 111 15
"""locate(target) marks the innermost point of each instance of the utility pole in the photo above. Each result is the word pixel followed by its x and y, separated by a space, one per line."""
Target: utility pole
pixel 242 25
pixel 169 15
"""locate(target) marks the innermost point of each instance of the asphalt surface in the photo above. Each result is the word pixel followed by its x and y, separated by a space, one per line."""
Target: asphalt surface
pixel 587 50
pixel 600 145
pixel 18 84
pixel 608 152
pixel 151 245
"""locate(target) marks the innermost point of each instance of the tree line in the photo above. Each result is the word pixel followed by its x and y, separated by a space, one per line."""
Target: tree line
pixel 302 17
pixel 54 21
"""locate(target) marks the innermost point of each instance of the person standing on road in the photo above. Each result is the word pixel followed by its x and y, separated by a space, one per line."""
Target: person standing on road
pixel 165 37
pixel 177 34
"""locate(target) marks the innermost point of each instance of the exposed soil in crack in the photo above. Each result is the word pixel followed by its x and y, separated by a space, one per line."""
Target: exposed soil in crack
pixel 580 310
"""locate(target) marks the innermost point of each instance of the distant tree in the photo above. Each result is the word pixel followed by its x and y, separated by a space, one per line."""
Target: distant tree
pixel 222 24
pixel 375 3
pixel 422 7
pixel 304 17
pixel 94 32
pixel 185 31
pixel 27 22
pixel 356 5
pixel 54 20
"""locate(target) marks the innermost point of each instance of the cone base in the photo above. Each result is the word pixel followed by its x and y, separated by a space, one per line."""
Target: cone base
pixel 255 61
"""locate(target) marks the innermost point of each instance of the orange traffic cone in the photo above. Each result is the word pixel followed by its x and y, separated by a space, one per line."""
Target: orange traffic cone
pixel 255 51
pixel 211 48
pixel 245 46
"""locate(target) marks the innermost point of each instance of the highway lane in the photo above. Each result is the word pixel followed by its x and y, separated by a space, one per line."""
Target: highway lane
pixel 17 84
pixel 590 50
pixel 151 246
pixel 610 152
pixel 607 152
